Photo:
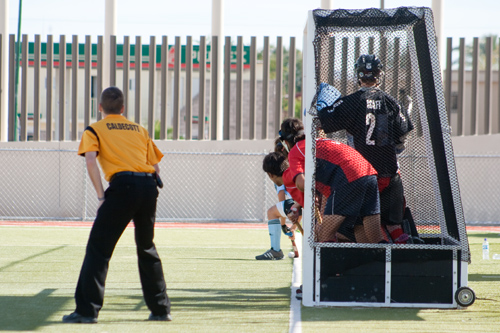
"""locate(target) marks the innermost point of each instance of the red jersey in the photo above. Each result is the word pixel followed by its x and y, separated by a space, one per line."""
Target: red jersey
pixel 297 162
pixel 336 164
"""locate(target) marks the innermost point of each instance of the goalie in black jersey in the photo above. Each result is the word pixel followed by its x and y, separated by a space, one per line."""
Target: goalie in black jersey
pixel 377 125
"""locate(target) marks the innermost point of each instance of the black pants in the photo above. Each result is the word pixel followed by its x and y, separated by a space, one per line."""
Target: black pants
pixel 127 198
pixel 392 202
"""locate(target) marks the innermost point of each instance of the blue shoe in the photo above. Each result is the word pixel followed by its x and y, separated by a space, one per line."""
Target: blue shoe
pixel 75 318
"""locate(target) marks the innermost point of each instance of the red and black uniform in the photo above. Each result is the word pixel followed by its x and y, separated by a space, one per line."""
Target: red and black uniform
pixel 378 125
pixel 342 175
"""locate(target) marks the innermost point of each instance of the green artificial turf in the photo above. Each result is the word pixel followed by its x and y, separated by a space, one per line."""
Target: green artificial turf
pixel 215 285
pixel 213 280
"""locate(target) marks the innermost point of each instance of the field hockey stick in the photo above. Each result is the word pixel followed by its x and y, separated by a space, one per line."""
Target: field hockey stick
pixel 295 250
pixel 299 227
pixel 317 214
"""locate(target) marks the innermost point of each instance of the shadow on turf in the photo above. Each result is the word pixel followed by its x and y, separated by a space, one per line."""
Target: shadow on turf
pixel 485 235
pixel 27 313
pixel 224 299
pixel 333 314
pixel 32 257
pixel 217 299
pixel 484 277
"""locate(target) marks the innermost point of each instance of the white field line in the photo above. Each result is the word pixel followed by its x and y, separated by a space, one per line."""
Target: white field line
pixel 295 304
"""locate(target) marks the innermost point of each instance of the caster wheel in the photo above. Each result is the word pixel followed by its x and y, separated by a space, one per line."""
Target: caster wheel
pixel 465 296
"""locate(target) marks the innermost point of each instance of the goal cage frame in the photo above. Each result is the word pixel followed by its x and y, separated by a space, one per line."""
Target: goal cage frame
pixel 426 275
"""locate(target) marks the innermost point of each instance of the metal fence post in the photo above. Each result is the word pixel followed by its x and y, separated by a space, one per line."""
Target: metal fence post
pixel 227 89
pixel 278 100
pixel 12 95
pixel 112 61
pixel 201 95
pixel 291 78
pixel 36 88
pixel 265 88
pixel 239 88
pixel 164 88
pixel 62 88
pixel 461 88
pixel 137 79
pixel 99 80
pixel 49 68
pixel 214 101
pixel 23 119
pixel 151 88
pixel 475 77
pixel 87 106
pixel 126 74
pixel 177 82
pixel 252 126
pixel 74 88
pixel 488 82
pixel 189 85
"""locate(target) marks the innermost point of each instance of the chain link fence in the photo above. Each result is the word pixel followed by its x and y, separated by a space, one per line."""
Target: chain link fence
pixel 52 184
pixel 479 188
pixel 44 184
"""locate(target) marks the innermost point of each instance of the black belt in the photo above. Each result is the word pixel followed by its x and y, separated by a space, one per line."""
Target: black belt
pixel 130 173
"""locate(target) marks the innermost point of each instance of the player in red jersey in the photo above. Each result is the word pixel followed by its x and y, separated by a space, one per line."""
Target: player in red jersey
pixel 346 181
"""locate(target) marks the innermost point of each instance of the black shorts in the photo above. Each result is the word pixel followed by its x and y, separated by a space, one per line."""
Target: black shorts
pixel 358 198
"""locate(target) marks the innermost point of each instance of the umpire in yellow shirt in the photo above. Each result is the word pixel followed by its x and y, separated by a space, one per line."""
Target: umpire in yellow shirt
pixel 129 160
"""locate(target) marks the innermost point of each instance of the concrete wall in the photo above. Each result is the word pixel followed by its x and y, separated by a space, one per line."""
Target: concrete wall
pixel 204 180
pixel 478 166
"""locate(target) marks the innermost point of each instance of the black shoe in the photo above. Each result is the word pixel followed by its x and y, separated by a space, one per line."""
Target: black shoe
pixel 417 240
pixel 75 318
pixel 165 317
pixel 270 255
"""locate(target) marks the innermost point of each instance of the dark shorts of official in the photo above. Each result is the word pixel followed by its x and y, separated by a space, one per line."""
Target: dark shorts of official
pixel 285 206
pixel 357 198
pixel 392 202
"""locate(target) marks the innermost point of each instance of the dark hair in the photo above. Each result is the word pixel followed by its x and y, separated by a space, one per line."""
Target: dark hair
pixel 275 164
pixel 292 130
pixel 112 100
pixel 279 146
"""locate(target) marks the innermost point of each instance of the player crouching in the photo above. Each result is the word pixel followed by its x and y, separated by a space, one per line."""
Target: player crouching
pixel 274 165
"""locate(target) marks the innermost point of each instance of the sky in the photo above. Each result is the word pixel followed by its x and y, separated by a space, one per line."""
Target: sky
pixel 241 18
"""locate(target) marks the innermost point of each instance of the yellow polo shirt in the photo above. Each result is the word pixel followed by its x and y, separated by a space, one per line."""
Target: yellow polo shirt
pixel 121 145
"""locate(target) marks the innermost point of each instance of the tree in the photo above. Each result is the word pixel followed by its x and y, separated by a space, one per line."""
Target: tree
pixel 482 53
pixel 298 75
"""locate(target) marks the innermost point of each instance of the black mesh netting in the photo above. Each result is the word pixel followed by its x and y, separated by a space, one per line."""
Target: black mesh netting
pixel 392 111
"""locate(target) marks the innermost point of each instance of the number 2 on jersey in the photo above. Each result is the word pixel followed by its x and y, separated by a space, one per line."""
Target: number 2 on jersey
pixel 370 122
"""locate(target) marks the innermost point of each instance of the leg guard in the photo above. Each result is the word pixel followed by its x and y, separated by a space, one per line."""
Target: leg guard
pixel 274 227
